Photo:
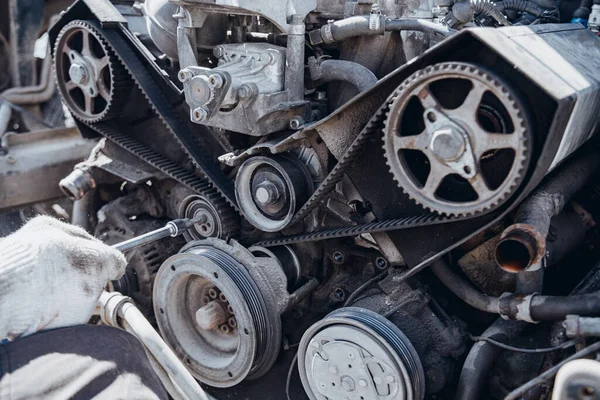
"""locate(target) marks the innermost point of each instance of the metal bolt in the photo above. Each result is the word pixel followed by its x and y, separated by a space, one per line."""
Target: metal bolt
pixel 448 143
pixel 225 328
pixel 338 257
pixel 348 384
pixel 78 74
pixel 232 322
pixel 212 293
pixel 215 81
pixel 296 123
pixel 218 52
pixel 381 262
pixel 246 92
pixel 266 193
pixel 210 316
pixel 362 383
pixel 339 294
pixel 185 75
pixel 199 114
pixel 321 96
pixel 11 159
pixel 333 369
pixel 222 297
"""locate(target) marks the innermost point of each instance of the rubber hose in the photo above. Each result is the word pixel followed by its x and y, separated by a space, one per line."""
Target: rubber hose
pixel 520 5
pixel 487 7
pixel 353 73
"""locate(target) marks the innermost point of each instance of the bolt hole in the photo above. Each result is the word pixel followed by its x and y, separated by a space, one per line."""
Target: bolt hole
pixel 172 268
pixel 332 384
pixel 229 374
pixel 587 391
pixel 349 366
pixel 246 331
pixel 91 91
pixel 216 275
pixel 467 169
pixel 162 311
pixel 431 116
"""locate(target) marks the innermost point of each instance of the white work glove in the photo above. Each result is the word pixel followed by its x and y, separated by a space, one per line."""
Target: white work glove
pixel 51 276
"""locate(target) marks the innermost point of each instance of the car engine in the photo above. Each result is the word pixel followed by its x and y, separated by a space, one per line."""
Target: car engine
pixel 396 199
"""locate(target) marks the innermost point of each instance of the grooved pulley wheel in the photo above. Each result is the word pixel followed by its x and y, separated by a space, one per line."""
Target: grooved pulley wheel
pixel 456 139
pixel 90 78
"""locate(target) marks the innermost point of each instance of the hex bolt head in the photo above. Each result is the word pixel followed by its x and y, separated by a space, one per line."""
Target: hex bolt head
pixel 247 91
pixel 78 74
pixel 266 193
pixel 338 257
pixel 215 81
pixel 296 123
pixel 185 75
pixel 381 263
pixel 218 52
pixel 448 143
pixel 199 114
pixel 210 316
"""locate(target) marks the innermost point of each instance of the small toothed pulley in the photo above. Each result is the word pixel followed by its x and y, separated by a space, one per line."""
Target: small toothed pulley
pixel 456 139
pixel 215 217
pixel 269 190
pixel 90 78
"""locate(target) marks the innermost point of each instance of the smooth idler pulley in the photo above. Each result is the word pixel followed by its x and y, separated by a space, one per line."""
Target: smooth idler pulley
pixel 354 353
pixel 218 307
pixel 269 190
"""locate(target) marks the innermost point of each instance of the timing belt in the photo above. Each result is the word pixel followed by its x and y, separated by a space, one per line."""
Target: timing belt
pixel 168 115
pixel 218 182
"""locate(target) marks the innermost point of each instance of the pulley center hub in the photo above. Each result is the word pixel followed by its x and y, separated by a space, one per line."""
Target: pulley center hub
pixel 448 143
pixel 267 193
pixel 78 74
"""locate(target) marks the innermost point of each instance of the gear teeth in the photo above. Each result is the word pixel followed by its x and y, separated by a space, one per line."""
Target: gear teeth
pixel 120 82
pixel 521 158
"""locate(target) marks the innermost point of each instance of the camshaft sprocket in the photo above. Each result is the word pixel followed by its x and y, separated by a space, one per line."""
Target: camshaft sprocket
pixel 456 139
pixel 91 79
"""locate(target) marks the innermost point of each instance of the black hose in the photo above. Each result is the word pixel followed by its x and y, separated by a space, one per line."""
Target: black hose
pixel 353 73
pixel 520 5
pixel 541 308
pixel 584 10
pixel 544 308
pixel 481 358
pixel 463 289
pixel 488 7
pixel 482 355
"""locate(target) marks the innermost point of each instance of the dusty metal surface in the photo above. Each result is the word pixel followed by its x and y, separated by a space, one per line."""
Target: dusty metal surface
pixel 33 163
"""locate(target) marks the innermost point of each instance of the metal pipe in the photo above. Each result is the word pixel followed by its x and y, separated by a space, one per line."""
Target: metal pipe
pixel 119 311
pixel 80 213
pixel 294 61
pixel 523 244
pixel 362 26
pixel 353 73
pixel 302 292
pixel 34 94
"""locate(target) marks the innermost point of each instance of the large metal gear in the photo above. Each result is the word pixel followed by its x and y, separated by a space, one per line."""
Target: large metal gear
pixel 90 78
pixel 457 139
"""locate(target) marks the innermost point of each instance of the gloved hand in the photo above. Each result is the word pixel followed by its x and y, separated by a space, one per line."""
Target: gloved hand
pixel 51 276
